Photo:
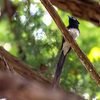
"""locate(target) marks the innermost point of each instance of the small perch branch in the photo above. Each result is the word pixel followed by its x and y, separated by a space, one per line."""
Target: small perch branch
pixel 83 58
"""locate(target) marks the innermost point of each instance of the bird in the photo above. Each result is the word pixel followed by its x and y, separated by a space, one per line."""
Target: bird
pixel 73 29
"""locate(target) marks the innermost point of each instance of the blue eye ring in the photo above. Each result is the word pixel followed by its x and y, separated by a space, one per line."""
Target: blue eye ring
pixel 74 18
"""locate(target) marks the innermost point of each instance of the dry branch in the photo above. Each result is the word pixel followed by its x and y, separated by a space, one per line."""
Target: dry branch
pixel 83 58
pixel 18 88
pixel 84 9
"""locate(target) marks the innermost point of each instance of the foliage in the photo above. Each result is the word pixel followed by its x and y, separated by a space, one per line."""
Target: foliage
pixel 29 38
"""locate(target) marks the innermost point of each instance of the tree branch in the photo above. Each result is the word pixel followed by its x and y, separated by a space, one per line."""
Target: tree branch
pixel 28 87
pixel 18 67
pixel 83 58
pixel 13 87
pixel 84 9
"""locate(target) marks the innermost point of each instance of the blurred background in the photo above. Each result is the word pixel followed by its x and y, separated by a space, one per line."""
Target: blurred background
pixel 28 32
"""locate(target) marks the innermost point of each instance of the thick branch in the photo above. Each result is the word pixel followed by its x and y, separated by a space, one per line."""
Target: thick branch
pixel 83 9
pixel 18 67
pixel 83 58
pixel 17 88
pixel 20 88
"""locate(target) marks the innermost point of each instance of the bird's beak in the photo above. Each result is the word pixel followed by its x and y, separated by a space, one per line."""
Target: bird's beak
pixel 68 16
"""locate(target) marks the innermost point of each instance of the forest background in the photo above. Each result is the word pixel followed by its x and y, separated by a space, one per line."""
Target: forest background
pixel 31 35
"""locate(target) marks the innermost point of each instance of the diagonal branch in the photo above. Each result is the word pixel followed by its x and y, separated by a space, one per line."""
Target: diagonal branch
pixel 83 58
pixel 84 9
pixel 16 66
pixel 26 82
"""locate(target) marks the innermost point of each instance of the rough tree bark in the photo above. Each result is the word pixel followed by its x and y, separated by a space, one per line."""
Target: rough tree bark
pixel 83 9
pixel 21 82
pixel 19 67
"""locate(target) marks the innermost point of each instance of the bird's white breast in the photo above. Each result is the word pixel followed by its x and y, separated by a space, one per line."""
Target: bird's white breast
pixel 74 33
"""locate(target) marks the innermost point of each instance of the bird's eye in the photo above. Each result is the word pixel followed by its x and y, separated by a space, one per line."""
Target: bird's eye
pixel 74 18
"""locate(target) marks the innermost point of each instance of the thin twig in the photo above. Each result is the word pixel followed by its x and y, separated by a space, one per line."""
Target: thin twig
pixel 83 58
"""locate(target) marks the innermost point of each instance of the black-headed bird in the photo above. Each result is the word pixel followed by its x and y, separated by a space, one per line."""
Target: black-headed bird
pixel 73 29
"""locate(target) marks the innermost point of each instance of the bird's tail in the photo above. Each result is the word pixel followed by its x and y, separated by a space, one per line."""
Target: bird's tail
pixel 59 69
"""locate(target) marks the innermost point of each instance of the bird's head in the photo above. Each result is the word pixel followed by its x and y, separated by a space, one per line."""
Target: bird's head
pixel 73 22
